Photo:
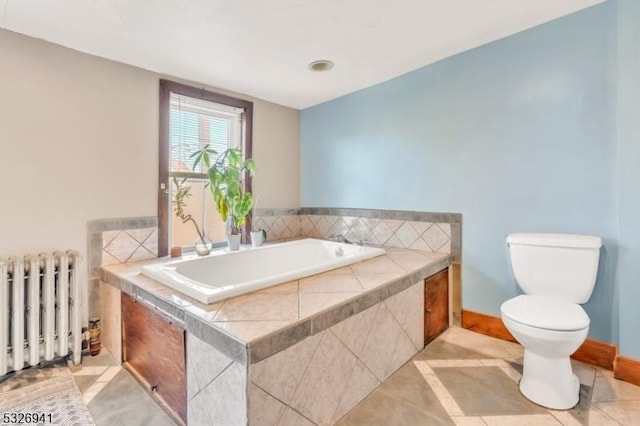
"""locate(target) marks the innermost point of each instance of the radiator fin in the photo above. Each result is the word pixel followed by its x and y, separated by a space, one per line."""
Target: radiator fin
pixel 40 309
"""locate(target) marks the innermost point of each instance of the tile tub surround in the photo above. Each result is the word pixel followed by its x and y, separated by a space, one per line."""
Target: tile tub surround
pixel 254 328
pixel 321 378
pixel 117 240
pixel 434 232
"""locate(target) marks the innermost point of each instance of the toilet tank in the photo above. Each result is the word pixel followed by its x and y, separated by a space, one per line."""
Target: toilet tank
pixel 559 266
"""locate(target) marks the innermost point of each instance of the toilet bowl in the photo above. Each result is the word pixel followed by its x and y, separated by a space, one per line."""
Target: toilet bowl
pixel 550 331
pixel 557 273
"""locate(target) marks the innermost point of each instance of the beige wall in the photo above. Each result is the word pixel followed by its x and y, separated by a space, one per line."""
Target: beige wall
pixel 79 141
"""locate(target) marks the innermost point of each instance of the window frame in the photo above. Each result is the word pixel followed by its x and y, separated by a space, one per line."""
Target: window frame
pixel 166 88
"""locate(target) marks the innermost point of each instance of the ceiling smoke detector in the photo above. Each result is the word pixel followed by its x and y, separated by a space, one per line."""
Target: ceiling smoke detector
pixel 321 65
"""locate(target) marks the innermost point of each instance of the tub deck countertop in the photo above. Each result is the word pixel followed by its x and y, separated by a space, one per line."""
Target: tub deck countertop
pixel 254 326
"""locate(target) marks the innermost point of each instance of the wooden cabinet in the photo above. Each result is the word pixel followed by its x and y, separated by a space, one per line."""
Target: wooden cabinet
pixel 436 305
pixel 153 350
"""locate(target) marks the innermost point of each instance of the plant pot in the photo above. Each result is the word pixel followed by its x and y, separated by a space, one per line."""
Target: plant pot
pixel 257 238
pixel 203 249
pixel 233 240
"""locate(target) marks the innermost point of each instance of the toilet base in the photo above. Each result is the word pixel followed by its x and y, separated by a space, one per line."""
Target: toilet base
pixel 549 382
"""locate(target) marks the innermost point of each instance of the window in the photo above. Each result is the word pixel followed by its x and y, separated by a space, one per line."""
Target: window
pixel 191 118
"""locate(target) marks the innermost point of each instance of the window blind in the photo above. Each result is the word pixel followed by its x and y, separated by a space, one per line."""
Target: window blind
pixel 194 123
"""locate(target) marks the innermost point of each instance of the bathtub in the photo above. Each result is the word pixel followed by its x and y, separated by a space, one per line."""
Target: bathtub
pixel 222 275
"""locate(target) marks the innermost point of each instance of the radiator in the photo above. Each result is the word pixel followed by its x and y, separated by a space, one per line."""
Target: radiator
pixel 40 309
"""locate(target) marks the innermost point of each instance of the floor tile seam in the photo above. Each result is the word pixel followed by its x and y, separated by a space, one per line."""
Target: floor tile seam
pixel 602 412
pixel 616 400
pixel 467 417
pixel 91 368
pixel 442 394
pixel 485 418
pixel 212 380
pixel 109 370
pixel 558 414
pixel 414 405
pixel 478 360
pixel 93 381
pixel 516 377
pixel 96 388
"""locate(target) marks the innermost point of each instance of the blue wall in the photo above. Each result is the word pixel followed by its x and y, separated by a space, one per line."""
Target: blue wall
pixel 517 135
pixel 628 132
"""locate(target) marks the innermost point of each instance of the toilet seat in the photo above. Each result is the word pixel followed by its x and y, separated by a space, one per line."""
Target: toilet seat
pixel 544 313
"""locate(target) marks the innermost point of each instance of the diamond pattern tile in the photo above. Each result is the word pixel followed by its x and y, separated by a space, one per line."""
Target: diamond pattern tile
pixel 435 237
pixel 108 236
pixel 122 247
pixel 381 233
pixel 140 235
pixel 339 228
pixel 151 243
pixel 417 235
pixel 407 234
pixel 359 229
pixel 420 227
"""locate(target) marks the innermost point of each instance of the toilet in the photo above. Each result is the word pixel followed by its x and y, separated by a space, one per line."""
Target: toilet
pixel 557 273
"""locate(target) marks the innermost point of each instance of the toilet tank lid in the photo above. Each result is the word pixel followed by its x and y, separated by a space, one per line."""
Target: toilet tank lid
pixel 556 240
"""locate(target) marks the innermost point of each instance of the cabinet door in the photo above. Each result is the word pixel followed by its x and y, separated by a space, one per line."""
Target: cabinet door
pixel 153 350
pixel 436 305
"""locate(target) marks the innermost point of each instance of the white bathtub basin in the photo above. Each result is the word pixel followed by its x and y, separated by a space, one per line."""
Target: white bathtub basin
pixel 220 276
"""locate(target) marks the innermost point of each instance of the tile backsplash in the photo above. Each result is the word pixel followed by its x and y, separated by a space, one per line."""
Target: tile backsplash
pixel 122 240
pixel 435 232
pixel 129 245
pixel 119 240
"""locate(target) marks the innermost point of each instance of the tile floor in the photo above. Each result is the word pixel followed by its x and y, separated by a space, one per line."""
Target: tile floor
pixel 461 378
pixel 464 378
pixel 111 394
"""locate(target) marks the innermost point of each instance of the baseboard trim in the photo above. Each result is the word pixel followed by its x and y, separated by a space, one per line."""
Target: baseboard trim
pixel 598 353
pixel 592 351
pixel 486 324
pixel 627 369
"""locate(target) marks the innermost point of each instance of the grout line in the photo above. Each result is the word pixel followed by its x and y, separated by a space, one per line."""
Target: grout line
pixel 306 368
pixel 91 371
pixel 92 391
pixel 363 345
pixel 212 380
pixel 393 317
pixel 109 374
pixel 443 395
pixel 565 418
pixel 466 420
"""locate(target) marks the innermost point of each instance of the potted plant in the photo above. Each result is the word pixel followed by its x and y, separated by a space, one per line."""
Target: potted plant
pixel 179 202
pixel 258 235
pixel 226 172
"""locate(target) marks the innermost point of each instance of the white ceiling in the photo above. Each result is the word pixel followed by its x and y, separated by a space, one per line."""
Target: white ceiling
pixel 262 47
